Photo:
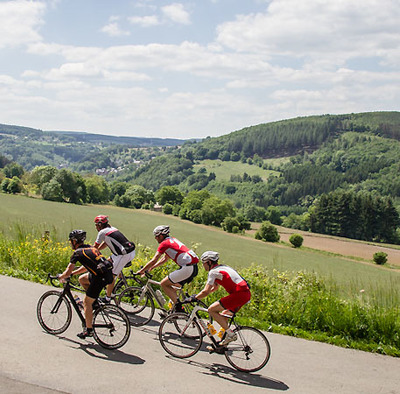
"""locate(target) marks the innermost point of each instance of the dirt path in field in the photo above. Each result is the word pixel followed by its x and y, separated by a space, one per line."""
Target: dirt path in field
pixel 342 246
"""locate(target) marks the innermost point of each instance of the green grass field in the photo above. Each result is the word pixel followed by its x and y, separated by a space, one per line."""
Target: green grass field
pixel 224 169
pixel 34 215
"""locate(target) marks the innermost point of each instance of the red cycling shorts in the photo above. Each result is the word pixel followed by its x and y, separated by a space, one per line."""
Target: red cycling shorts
pixel 236 300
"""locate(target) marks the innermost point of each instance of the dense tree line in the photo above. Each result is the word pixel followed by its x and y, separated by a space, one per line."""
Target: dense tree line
pixel 355 215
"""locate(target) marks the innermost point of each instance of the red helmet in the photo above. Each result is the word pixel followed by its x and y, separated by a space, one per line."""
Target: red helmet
pixel 101 219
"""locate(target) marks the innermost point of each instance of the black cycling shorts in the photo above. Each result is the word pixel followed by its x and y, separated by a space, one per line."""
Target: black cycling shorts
pixel 98 282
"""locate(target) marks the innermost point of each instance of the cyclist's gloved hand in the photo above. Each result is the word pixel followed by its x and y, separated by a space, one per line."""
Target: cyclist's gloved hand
pixel 192 298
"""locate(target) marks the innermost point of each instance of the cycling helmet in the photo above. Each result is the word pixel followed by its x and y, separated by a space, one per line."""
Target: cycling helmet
pixel 210 256
pixel 77 235
pixel 101 219
pixel 163 229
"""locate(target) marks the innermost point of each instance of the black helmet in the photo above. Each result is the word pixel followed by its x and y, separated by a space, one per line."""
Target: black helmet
pixel 77 235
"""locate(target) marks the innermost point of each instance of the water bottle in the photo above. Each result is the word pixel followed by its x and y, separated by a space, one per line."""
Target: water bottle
pixel 211 328
pixel 170 304
pixel 78 302
pixel 221 333
pixel 160 298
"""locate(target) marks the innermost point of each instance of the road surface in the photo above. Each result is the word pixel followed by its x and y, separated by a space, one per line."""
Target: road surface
pixel 32 361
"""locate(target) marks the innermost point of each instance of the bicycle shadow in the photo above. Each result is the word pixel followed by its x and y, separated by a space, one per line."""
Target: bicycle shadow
pixel 95 350
pixel 234 376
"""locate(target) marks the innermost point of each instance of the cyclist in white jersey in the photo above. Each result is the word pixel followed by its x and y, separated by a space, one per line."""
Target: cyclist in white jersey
pixel 123 250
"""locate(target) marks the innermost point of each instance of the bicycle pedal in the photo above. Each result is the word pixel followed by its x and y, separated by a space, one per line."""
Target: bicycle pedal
pixel 163 315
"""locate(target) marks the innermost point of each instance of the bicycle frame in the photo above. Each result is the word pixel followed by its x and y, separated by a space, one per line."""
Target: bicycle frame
pixel 148 288
pixel 67 294
pixel 195 317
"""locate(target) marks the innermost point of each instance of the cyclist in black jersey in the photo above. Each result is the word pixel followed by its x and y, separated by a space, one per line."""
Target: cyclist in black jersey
pixel 96 273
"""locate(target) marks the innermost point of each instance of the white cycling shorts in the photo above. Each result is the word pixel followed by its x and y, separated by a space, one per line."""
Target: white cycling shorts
pixel 184 274
pixel 120 260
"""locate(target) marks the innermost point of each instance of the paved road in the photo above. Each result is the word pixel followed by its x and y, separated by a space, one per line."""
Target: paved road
pixel 32 361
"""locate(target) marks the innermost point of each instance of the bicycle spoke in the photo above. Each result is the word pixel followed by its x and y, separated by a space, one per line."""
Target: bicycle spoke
pixel 250 352
pixel 54 312
pixel 111 327
pixel 179 338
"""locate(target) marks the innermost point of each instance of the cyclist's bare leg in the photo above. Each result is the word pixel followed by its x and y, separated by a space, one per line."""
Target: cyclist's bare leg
pixel 215 310
pixel 88 309
pixel 84 280
pixel 87 301
pixel 110 287
pixel 169 289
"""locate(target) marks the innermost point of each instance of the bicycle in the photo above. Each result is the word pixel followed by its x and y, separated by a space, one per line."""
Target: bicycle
pixel 138 302
pixel 124 281
pixel 182 339
pixel 111 327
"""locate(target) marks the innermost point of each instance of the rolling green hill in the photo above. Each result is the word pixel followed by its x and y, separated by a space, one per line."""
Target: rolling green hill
pixel 32 147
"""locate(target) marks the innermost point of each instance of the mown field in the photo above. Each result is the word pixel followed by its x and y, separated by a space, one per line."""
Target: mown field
pixel 224 169
pixel 347 276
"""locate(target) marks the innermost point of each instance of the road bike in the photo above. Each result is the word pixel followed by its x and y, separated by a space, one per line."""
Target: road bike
pixel 111 327
pixel 138 302
pixel 181 336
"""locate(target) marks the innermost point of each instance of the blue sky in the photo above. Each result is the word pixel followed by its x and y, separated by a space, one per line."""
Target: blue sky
pixel 187 69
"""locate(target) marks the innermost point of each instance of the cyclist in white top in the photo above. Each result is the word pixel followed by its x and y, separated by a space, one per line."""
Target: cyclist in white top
pixel 123 250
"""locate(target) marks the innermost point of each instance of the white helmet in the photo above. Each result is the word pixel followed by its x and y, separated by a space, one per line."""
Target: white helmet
pixel 163 229
pixel 210 256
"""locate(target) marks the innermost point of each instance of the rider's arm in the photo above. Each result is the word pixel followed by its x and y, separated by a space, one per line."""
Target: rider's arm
pixel 151 263
pixel 80 270
pixel 68 271
pixel 100 246
pixel 161 261
pixel 206 291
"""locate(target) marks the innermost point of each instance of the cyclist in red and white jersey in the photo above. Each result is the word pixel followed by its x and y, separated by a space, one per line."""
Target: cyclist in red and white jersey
pixel 233 283
pixel 171 248
pixel 123 250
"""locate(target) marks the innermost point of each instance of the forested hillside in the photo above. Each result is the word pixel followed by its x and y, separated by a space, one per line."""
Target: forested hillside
pixel 81 151
pixel 335 174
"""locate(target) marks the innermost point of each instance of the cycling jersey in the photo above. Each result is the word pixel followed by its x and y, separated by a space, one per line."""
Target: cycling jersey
pixel 91 259
pixel 178 252
pixel 233 283
pixel 228 278
pixel 115 240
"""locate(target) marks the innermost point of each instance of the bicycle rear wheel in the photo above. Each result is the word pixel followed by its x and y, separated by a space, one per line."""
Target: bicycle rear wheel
pixel 250 352
pixel 138 305
pixel 54 312
pixel 178 338
pixel 111 327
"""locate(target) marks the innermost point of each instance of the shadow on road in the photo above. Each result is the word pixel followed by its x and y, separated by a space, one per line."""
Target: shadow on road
pixel 95 350
pixel 232 375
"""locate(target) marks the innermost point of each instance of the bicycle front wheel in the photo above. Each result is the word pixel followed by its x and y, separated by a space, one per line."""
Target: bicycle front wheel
pixel 54 312
pixel 111 327
pixel 179 337
pixel 137 304
pixel 250 352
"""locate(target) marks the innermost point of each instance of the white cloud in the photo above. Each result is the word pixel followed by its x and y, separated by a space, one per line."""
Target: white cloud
pixel 113 30
pixel 145 21
pixel 335 30
pixel 176 13
pixel 20 22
